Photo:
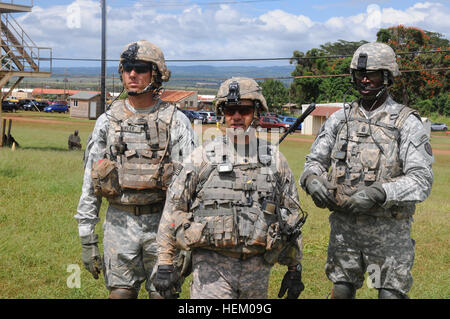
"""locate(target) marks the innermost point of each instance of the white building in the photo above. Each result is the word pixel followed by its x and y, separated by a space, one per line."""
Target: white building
pixel 314 121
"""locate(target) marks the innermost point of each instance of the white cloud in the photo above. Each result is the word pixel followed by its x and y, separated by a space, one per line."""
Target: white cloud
pixel 215 32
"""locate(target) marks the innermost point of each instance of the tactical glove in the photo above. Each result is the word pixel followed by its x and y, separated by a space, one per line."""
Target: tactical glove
pixel 91 255
pixel 319 188
pixel 365 198
pixel 166 280
pixel 292 282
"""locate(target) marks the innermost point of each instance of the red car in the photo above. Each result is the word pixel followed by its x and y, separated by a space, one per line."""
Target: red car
pixel 271 123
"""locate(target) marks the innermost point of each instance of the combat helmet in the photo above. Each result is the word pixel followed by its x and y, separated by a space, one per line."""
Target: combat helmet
pixel 146 51
pixel 375 56
pixel 235 89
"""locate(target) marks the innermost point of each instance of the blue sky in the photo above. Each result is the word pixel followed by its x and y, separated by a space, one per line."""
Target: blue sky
pixel 219 29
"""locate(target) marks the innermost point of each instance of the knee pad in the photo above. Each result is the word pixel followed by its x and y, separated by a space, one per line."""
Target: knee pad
pixel 123 293
pixel 390 294
pixel 343 290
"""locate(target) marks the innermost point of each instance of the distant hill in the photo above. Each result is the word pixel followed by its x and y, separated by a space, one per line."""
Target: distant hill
pixel 194 71
pixel 203 78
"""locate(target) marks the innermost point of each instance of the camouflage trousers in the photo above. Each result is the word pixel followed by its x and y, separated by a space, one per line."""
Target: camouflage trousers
pixel 381 246
pixel 130 249
pixel 215 276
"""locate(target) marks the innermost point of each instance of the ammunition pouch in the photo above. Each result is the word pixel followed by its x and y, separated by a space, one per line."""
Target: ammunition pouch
pixel 226 228
pixel 140 170
pixel 274 244
pixel 105 178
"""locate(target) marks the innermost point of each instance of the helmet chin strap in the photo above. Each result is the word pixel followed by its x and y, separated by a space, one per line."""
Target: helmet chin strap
pixel 150 87
pixel 381 89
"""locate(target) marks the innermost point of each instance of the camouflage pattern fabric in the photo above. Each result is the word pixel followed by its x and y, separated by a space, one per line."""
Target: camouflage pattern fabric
pixel 129 229
pixel 380 245
pixel 183 141
pixel 130 249
pixel 380 56
pixel 248 89
pixel 386 237
pixel 180 198
pixel 215 276
pixel 145 51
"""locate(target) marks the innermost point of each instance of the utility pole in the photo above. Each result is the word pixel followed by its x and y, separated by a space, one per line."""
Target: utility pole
pixel 103 71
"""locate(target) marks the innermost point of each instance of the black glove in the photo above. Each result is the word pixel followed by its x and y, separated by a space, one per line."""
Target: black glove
pixel 318 188
pixel 292 282
pixel 365 198
pixel 166 280
pixel 90 254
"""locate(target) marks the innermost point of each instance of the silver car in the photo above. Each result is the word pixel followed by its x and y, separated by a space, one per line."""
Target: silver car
pixel 439 127
pixel 209 117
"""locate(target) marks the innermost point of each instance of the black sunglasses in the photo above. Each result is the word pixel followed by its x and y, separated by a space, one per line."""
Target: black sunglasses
pixel 137 67
pixel 242 110
pixel 370 75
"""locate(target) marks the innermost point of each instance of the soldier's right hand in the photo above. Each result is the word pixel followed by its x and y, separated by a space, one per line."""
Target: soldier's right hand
pixel 319 188
pixel 90 254
pixel 165 281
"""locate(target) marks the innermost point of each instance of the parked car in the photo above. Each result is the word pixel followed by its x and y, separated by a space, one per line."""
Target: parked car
pixel 24 102
pixel 271 122
pixel 209 117
pixel 192 115
pixel 198 116
pixel 33 105
pixel 439 127
pixel 59 102
pixel 8 106
pixel 60 108
pixel 290 120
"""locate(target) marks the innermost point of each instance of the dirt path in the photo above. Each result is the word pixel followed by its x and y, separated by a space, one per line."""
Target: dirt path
pixel 33 120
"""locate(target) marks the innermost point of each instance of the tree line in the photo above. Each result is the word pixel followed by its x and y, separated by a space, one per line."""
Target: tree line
pixel 321 75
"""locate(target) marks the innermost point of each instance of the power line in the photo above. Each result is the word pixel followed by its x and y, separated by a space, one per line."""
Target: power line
pixel 155 4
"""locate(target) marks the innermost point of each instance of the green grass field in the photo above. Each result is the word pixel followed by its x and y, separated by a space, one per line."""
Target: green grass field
pixel 40 185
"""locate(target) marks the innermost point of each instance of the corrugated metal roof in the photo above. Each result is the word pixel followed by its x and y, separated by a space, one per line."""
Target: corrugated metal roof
pixel 84 95
pixel 175 95
pixel 325 110
pixel 39 91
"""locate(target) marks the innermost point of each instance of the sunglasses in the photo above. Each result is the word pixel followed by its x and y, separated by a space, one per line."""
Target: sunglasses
pixel 137 67
pixel 242 110
pixel 370 75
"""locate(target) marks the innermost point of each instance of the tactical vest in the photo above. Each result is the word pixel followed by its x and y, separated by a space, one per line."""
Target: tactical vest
pixel 369 153
pixel 231 205
pixel 139 144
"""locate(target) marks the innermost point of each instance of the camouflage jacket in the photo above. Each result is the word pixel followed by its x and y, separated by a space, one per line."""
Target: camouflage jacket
pixel 182 141
pixel 415 176
pixel 188 192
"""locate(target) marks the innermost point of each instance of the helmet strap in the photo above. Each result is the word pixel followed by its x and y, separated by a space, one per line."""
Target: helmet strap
pixel 150 87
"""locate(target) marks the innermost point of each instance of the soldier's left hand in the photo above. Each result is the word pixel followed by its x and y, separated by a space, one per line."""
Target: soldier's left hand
pixel 365 198
pixel 292 283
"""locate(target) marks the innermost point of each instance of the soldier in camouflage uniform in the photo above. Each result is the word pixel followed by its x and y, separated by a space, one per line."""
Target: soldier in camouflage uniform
pixel 129 159
pixel 370 164
pixel 74 141
pixel 234 204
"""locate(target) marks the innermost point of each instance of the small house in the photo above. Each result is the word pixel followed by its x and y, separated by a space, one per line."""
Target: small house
pixel 183 99
pixel 314 121
pixel 85 105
